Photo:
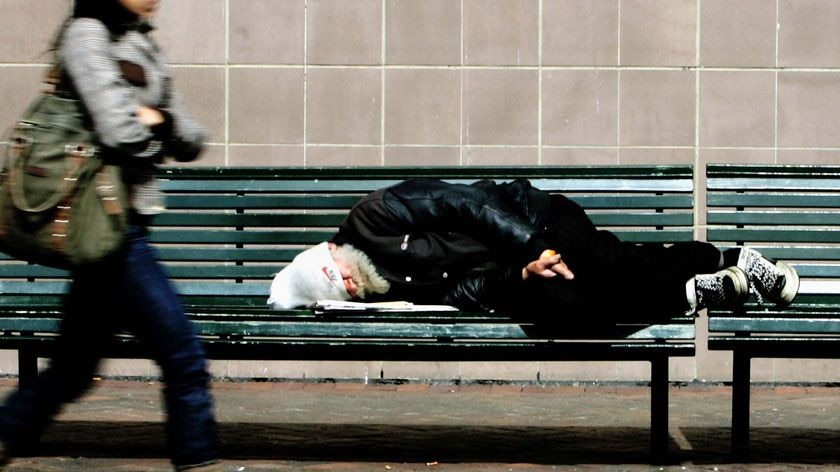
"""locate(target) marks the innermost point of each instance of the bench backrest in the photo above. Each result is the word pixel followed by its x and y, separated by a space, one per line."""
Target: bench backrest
pixel 227 231
pixel 790 213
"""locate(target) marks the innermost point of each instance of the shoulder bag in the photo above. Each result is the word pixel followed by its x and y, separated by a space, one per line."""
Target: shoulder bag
pixel 61 205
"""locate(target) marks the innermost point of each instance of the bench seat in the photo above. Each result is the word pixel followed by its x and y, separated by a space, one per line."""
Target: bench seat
pixel 229 230
pixel 790 213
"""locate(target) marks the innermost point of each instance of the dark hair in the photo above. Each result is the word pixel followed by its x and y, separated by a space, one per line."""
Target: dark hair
pixel 110 12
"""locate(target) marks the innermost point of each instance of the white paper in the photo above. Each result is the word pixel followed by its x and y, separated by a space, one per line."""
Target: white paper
pixel 339 305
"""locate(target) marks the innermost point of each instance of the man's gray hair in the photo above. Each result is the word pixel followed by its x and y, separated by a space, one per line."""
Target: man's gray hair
pixel 364 272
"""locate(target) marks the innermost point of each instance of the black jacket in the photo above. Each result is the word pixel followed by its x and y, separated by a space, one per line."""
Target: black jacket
pixel 463 245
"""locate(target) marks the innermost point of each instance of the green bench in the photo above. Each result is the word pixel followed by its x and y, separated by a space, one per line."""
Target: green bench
pixel 229 230
pixel 790 213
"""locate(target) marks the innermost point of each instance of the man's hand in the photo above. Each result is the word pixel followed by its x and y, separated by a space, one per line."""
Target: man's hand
pixel 548 265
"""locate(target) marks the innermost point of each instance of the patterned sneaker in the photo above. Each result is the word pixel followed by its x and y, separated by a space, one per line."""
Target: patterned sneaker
pixel 723 289
pixel 777 282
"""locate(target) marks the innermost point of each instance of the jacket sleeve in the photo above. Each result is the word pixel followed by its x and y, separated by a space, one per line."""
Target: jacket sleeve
pixel 108 97
pixel 486 290
pixel 187 138
pixel 433 205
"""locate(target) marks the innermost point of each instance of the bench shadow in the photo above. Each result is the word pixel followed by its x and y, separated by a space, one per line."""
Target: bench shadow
pixel 446 444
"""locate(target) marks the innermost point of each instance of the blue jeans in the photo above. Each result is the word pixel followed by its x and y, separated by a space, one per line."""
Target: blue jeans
pixel 128 291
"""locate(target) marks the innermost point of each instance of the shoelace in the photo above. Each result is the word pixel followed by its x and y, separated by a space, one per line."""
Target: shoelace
pixel 757 294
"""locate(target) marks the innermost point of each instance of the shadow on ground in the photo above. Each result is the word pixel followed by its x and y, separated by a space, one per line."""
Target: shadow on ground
pixel 426 443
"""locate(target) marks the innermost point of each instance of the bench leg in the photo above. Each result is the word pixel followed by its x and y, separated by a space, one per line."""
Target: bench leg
pixel 659 407
pixel 27 367
pixel 740 402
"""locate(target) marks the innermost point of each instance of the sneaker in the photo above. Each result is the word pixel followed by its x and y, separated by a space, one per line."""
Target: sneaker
pixel 777 282
pixel 723 289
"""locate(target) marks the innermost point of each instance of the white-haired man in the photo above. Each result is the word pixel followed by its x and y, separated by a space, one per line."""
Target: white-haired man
pixel 489 246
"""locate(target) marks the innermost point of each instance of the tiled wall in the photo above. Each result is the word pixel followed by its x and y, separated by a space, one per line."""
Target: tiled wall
pixel 490 82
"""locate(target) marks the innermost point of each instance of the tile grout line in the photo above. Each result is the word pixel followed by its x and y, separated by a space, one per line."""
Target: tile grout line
pixel 305 81
pixel 227 83
pixel 540 84
pixel 697 177
pixel 618 89
pixel 382 51
pixel 463 78
pixel 776 92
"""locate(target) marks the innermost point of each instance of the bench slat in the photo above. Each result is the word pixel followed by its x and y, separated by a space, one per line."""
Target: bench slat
pixel 365 186
pixel 783 235
pixel 775 218
pixel 761 199
pixel 775 325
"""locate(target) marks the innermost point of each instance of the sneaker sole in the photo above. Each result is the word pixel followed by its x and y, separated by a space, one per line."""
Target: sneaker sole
pixel 791 287
pixel 741 283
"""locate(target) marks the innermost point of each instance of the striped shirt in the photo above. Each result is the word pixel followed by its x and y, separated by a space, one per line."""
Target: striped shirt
pixel 95 62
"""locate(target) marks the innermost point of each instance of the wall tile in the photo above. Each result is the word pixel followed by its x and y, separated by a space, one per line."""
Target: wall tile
pixel 737 109
pixel 343 156
pixel 283 156
pixel 500 156
pixel 267 32
pixel 341 370
pixel 266 106
pixel 808 33
pixel 28 29
pixel 421 370
pixel 125 368
pixel 658 32
pixel 806 370
pixel 213 155
pixel 656 156
pixel 580 107
pixel 500 107
pixel 808 156
pixel 808 104
pixel 578 371
pixel 738 34
pixel 343 106
pixel 423 33
pixel 735 156
pixel 657 108
pixel 577 33
pixel 342 32
pixel 422 155
pixel 203 92
pixel 192 31
pixel 511 371
pixel 501 32
pixel 265 369
pixel 422 106
pixel 8 362
pixel 578 156
pixel 20 86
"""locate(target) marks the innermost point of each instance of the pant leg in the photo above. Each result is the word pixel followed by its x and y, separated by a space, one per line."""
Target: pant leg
pixel 158 321
pixel 85 329
pixel 616 274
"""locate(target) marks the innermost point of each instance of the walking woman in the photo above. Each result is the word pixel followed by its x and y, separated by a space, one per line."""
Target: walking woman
pixel 108 61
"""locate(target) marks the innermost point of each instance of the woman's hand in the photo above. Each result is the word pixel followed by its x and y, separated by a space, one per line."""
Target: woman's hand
pixel 549 265
pixel 149 116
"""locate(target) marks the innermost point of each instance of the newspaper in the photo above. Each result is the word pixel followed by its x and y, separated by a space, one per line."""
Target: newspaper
pixel 322 306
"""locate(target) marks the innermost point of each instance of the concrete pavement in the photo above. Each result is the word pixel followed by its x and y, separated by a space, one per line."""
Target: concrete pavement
pixel 352 427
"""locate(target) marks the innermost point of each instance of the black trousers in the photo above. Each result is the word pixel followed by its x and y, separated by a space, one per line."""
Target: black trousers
pixel 612 276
